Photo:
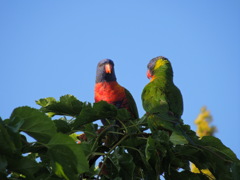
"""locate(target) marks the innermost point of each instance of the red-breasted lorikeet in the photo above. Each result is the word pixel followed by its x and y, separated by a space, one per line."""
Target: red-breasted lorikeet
pixel 160 95
pixel 107 89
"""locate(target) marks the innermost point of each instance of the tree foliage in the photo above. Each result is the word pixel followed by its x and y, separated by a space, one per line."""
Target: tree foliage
pixel 70 144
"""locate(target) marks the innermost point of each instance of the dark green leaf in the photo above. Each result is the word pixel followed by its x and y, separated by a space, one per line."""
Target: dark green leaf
pixel 216 145
pixel 6 144
pixel 87 115
pixel 3 163
pixel 161 122
pixel 90 131
pixel 62 126
pixel 24 165
pixel 67 156
pixel 124 163
pixel 36 123
pixel 123 115
pixel 153 155
pixel 105 110
pixel 236 170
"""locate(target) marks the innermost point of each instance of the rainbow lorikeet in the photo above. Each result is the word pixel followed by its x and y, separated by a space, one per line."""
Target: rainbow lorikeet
pixel 107 89
pixel 160 95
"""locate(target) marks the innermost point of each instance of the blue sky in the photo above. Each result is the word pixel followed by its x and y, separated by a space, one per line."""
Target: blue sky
pixel 51 48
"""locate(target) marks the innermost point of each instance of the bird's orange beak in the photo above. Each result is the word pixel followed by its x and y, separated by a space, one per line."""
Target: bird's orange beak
pixel 108 68
pixel 149 75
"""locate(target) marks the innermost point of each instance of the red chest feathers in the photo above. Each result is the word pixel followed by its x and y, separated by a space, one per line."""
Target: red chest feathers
pixel 109 91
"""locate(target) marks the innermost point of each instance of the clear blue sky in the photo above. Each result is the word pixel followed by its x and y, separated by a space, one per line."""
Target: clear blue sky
pixel 51 48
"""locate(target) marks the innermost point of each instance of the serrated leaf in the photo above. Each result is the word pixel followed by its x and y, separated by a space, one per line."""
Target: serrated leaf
pixel 36 124
pixel 67 105
pixel 44 102
pixel 99 110
pixel 104 110
pixel 87 115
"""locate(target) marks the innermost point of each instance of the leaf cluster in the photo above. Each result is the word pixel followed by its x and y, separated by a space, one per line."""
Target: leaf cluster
pixel 69 143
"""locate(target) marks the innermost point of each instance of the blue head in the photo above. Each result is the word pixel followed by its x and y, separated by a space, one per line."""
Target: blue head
pixel 105 71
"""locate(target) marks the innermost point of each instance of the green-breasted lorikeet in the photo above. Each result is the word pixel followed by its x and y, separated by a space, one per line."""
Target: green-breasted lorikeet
pixel 160 95
pixel 107 89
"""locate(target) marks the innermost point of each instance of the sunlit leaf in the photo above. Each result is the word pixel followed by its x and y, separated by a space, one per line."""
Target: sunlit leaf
pixel 175 138
pixel 67 105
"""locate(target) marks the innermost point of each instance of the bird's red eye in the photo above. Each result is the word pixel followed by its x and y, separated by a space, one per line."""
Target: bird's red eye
pixel 108 68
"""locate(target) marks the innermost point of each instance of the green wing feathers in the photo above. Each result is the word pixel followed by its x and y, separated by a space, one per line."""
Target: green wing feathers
pixel 161 99
pixel 154 100
pixel 175 101
pixel 132 104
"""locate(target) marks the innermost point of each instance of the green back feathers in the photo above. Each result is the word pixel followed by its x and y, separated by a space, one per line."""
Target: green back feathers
pixel 160 95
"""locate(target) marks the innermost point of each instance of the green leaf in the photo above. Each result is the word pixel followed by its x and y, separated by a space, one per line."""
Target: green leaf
pixel 89 113
pixel 124 163
pixel 46 101
pixel 24 165
pixel 216 145
pixel 153 156
pixel 192 153
pixel 62 126
pixel 123 115
pixel 68 155
pixel 105 110
pixel 236 170
pixel 13 129
pixel 3 163
pixel 90 131
pixel 150 148
pixel 59 171
pixel 176 139
pixel 35 123
pixel 6 144
pixel 67 105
